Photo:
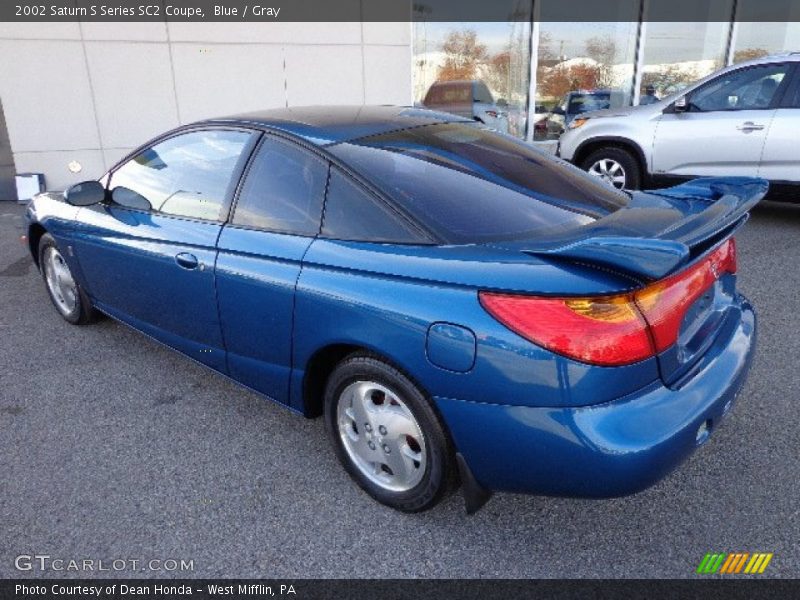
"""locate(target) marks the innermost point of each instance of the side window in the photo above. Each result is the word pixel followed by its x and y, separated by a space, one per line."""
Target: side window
pixel 792 99
pixel 482 93
pixel 352 213
pixel 434 96
pixel 283 190
pixel 187 175
pixel 746 89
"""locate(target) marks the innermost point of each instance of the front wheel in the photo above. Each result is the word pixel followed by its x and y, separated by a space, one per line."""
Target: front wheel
pixel 615 166
pixel 67 296
pixel 387 435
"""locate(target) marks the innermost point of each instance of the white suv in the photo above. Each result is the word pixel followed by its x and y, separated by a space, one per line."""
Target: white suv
pixel 741 120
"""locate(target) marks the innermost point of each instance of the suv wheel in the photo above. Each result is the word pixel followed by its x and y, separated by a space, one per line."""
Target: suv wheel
pixel 615 166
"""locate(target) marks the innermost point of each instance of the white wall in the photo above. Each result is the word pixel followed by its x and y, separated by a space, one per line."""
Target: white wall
pixel 91 92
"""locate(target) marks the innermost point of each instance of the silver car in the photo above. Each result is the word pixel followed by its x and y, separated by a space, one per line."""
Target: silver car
pixel 741 120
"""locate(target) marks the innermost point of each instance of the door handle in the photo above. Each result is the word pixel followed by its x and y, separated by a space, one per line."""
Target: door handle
pixel 750 126
pixel 186 260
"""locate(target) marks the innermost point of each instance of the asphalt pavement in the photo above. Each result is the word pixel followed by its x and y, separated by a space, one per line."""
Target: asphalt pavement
pixel 115 448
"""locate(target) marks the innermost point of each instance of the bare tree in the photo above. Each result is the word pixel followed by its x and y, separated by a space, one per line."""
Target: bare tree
pixel 463 53
pixel 603 50
pixel 498 72
pixel 545 48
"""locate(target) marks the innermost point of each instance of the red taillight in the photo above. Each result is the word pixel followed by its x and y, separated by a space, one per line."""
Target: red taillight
pixel 604 331
pixel 612 330
pixel 664 303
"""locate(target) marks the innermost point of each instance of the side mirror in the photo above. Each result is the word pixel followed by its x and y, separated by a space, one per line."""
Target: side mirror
pixel 680 105
pixel 85 194
pixel 558 111
pixel 502 102
pixel 130 199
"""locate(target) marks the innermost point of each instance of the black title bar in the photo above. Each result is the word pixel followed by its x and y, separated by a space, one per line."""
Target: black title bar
pixel 398 10
pixel 391 589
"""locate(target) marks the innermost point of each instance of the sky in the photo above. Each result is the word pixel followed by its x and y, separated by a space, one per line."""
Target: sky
pixel 664 42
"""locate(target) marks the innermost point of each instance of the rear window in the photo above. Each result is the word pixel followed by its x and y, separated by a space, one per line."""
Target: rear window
pixel 471 185
pixel 449 93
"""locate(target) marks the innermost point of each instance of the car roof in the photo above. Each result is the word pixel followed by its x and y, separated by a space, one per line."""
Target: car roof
pixel 596 91
pixel 771 58
pixel 326 125
pixel 443 82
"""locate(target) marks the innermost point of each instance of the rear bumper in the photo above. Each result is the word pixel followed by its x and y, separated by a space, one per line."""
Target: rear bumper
pixel 610 449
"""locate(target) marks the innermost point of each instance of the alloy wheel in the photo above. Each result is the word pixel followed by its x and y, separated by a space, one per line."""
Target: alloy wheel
pixel 610 171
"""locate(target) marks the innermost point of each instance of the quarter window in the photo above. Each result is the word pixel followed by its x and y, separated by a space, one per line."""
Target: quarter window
pixel 746 89
pixel 283 190
pixel 352 213
pixel 187 175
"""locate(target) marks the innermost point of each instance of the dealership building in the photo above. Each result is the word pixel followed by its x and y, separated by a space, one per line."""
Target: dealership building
pixel 77 96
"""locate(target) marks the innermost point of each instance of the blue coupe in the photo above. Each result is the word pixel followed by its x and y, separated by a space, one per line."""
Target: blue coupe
pixel 460 306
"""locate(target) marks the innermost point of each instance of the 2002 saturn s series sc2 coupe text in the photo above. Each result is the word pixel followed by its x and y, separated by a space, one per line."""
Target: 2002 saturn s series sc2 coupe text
pixel 459 305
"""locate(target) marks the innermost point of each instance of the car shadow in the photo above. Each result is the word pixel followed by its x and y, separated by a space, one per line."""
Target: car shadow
pixel 783 212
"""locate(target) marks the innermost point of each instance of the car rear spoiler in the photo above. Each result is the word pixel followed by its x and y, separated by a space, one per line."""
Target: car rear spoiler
pixel 723 203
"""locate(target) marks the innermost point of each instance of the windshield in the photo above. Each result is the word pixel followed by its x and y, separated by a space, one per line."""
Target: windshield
pixel 580 104
pixel 469 184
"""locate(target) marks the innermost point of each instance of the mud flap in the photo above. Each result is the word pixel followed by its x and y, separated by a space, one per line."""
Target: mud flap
pixel 475 495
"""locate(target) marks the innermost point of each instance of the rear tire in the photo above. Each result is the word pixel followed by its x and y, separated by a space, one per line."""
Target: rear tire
pixel 386 434
pixel 616 166
pixel 67 296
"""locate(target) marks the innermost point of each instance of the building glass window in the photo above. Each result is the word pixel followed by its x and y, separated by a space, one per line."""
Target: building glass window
pixel 482 70
pixel 754 40
pixel 677 54
pixel 583 66
pixel 477 70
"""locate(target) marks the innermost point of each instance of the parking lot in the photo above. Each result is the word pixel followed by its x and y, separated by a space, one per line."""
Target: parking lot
pixel 113 447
